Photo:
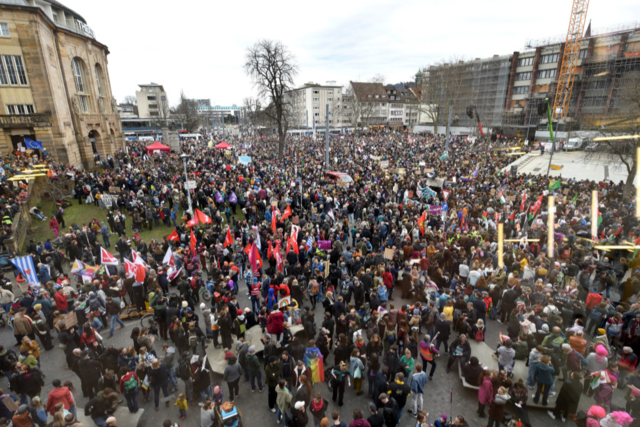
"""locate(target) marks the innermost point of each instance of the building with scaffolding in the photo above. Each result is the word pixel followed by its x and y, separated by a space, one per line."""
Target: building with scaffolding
pixel 506 90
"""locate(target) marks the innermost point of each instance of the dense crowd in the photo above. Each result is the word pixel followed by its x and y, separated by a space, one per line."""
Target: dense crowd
pixel 422 228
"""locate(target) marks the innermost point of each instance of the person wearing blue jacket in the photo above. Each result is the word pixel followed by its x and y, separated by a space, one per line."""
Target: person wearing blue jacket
pixel 543 374
pixel 418 382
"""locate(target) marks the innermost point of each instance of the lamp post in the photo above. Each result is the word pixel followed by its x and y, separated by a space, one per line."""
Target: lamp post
pixel 186 182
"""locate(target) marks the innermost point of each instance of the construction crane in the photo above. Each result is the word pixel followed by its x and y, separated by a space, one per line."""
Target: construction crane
pixel 570 59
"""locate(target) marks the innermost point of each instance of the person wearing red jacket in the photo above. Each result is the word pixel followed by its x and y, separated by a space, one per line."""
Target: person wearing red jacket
pixel 61 301
pixel 132 394
pixel 60 394
pixel 275 324
pixel 387 278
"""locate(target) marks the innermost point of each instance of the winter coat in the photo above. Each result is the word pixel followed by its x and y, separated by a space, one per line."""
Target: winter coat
pixel 496 411
pixel 275 323
pixel 485 394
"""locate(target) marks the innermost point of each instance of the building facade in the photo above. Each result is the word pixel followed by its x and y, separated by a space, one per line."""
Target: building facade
pixel 376 106
pixel 506 90
pixel 54 83
pixel 308 104
pixel 153 102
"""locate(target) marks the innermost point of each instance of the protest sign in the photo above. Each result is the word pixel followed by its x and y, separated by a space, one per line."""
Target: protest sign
pixel 109 200
pixel 384 164
pixel 388 253
pixel 435 210
pixel 70 319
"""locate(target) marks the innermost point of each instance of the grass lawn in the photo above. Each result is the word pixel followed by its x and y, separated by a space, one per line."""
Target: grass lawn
pixel 82 215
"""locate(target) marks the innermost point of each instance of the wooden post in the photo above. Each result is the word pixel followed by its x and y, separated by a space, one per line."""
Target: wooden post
pixel 550 225
pixel 594 214
pixel 500 245
pixel 637 182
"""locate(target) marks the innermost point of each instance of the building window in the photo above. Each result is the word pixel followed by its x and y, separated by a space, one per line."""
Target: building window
pixel 316 99
pixel 20 109
pixel 583 54
pixel 329 99
pixel 12 71
pixel 154 106
pixel 4 30
pixel 316 114
pixel 547 74
pixel 330 92
pixel 79 76
pixel 523 76
pixel 548 59
pixel 520 90
pixel 316 92
pixel 523 62
pixel 316 107
pixel 99 79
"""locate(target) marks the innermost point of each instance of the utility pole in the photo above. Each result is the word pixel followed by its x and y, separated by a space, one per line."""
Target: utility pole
pixel 186 182
pixel 326 144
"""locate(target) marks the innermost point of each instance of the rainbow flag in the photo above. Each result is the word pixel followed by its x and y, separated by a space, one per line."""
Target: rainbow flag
pixel 314 361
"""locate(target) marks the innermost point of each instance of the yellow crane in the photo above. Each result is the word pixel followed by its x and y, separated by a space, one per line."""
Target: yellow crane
pixel 570 59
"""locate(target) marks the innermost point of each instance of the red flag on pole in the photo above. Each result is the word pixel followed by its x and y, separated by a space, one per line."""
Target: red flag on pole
pixel 273 221
pixel 421 222
pixel 228 240
pixel 140 273
pixel 294 245
pixel 524 199
pixel 254 259
pixel 173 237
pixel 278 257
pixel 513 216
pixel 286 213
pixel 269 251
pixel 107 258
pixel 192 243
pixel 202 217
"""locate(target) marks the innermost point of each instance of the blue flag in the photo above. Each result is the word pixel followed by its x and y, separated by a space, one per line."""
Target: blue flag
pixel 33 145
pixel 26 267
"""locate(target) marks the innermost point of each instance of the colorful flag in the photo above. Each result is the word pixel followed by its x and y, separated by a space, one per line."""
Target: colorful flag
pixel 168 257
pixel 421 222
pixel 26 267
pixel 524 200
pixel 107 258
pixel 137 258
pixel 229 239
pixel 575 198
pixel 535 208
pixel 555 185
pixel 254 259
pixel 513 216
pixel 314 361
pixel 219 198
pixel 233 198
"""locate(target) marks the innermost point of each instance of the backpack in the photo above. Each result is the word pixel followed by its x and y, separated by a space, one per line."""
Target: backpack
pixel 581 418
pixel 130 384
pixel 479 335
pixel 8 360
pixel 391 338
pixel 184 371
pixel 289 418
pixel 193 341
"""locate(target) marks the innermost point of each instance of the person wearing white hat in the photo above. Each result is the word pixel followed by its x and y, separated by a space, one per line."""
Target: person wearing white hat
pixel 299 414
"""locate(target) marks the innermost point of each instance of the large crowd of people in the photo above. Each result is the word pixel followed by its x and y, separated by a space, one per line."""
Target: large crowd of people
pixel 402 259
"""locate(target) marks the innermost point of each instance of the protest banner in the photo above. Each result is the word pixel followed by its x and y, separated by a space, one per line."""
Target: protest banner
pixel 70 319
pixel 435 210
pixel 109 200
pixel 388 253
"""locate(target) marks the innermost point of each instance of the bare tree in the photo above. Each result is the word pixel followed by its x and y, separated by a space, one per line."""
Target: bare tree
pixel 355 111
pixel 445 84
pixel 130 100
pixel 163 110
pixel 377 78
pixel 252 111
pixel 187 113
pixel 272 68
pixel 621 120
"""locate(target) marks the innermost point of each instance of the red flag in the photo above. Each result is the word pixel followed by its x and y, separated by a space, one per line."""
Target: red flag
pixel 513 216
pixel 286 213
pixel 247 249
pixel 192 243
pixel 273 221
pixel 497 215
pixel 269 251
pixel 254 259
pixel 173 237
pixel 537 205
pixel 107 258
pixel 294 245
pixel 192 222
pixel 618 232
pixel 524 199
pixel 140 273
pixel 635 242
pixel 278 257
pixel 228 240
pixel 129 267
pixel 202 217
pixel 421 221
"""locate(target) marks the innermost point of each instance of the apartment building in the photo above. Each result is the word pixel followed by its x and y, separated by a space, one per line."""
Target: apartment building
pixel 309 103
pixel 153 102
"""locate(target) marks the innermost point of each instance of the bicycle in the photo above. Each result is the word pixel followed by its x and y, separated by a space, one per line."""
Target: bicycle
pixel 148 321
pixel 204 293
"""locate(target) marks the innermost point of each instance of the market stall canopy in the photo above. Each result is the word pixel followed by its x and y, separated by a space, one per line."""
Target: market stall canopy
pixel 223 145
pixel 156 146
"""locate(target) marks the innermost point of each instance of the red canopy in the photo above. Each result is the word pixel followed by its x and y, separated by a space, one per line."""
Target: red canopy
pixel 223 145
pixel 156 146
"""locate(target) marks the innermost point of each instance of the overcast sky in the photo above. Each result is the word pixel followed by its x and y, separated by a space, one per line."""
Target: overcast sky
pixel 199 46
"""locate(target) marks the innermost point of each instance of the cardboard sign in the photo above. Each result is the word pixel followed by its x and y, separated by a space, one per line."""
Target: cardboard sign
pixel 429 170
pixel 401 171
pixel 70 319
pixel 466 162
pixel 295 219
pixel 384 164
pixel 410 194
pixel 274 203
pixel 327 264
pixel 511 198
pixel 493 191
pixel 342 184
pixel 388 253
pixel 10 404
pixel 115 190
pixel 566 191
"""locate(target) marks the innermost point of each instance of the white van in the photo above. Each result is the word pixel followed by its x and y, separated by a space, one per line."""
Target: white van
pixel 574 144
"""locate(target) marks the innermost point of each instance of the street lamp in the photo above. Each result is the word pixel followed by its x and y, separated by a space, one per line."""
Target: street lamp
pixel 186 182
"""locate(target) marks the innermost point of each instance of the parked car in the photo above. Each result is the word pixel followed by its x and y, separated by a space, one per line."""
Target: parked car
pixel 593 146
pixel 574 144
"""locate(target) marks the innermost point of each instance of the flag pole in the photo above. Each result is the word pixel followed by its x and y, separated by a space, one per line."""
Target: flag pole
pixel 550 228
pixel 594 214
pixel 500 245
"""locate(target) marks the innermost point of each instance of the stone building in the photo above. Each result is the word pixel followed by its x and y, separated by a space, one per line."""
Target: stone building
pixel 54 83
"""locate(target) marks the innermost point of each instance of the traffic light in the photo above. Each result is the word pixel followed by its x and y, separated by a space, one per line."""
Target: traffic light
pixel 470 112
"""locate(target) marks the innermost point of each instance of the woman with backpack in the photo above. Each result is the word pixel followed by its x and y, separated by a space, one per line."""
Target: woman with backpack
pixel 129 383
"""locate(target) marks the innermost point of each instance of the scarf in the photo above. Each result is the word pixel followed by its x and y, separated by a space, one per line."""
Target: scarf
pixel 317 407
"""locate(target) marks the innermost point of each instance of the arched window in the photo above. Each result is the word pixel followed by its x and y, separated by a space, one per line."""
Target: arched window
pixel 99 79
pixel 81 83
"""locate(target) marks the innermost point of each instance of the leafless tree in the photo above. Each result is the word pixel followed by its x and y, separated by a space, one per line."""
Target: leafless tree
pixel 377 78
pixel 163 110
pixel 355 111
pixel 187 113
pixel 621 120
pixel 130 100
pixel 272 68
pixel 252 112
pixel 446 84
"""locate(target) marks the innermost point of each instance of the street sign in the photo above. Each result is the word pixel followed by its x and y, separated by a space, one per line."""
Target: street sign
pixel 445 207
